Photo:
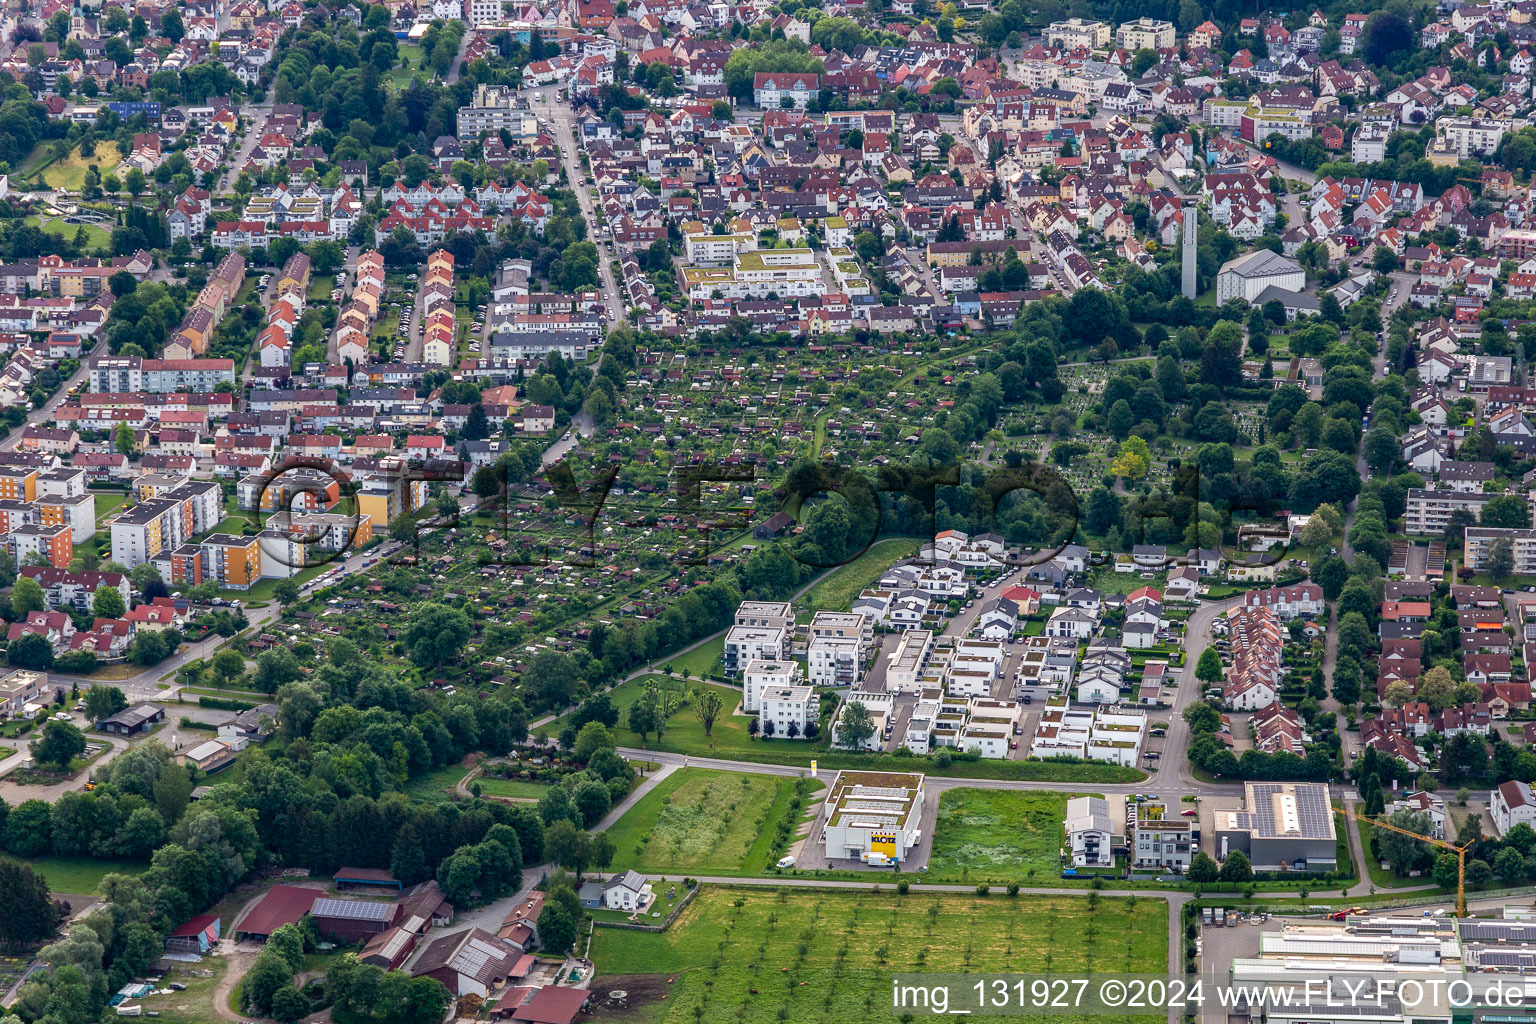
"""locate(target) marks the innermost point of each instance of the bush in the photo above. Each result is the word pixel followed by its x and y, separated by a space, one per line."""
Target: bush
pixel 902 887
pixel 983 889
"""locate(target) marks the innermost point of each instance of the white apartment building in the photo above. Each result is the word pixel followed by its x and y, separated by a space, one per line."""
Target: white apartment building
pixel 705 250
pixel 833 661
pixel 1428 511
pixel 907 662
pixel 1159 838
pixel 744 644
pixel 1145 34
pixel 788 708
pixel 881 706
pixel 989 727
pixel 758 274
pixel 763 674
pixel 780 614
pixel 1112 734
pixel 1471 137
pixel 1075 33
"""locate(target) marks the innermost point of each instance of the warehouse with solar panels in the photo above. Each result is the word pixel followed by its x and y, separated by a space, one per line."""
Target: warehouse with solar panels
pixel 351 920
pixel 1282 826
pixel 873 816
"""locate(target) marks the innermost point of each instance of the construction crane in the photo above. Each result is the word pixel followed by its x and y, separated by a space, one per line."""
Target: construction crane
pixel 1459 851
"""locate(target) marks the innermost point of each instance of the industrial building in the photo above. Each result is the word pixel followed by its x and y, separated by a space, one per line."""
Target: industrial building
pixel 1282 826
pixel 872 813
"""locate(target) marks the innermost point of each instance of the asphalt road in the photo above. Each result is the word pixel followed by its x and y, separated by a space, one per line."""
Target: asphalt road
pixel 560 118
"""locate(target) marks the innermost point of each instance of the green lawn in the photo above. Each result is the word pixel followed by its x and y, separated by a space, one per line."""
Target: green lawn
pixel 69 173
pixel 998 835
pixel 702 822
pixel 684 734
pixel 702 661
pixel 80 875
pixel 518 789
pixel 96 236
pixel 836 590
pixel 107 502
pixel 759 956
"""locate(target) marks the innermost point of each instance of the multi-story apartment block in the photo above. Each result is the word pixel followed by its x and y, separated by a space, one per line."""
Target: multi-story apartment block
pixel 744 644
pixel 141 533
pixel 774 614
pixel 1077 33
pixel 1145 34
pixel 762 674
pixel 834 661
pixel 133 373
pixel 1481 539
pixel 1157 839
pixel 789 710
pixel 1429 510
pixel 494 109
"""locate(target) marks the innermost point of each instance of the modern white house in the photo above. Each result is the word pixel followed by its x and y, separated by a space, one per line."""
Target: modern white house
pixel 834 661
pixel 745 644
pixel 1511 804
pixel 1090 832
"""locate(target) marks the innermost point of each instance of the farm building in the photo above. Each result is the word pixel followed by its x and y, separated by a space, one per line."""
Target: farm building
pixel 198 935
pixel 423 906
pixel 357 878
pixel 351 920
pixel 389 949
pixel 470 962
pixel 283 904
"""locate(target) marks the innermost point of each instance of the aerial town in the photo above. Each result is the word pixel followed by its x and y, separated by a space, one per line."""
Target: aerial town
pixel 654 512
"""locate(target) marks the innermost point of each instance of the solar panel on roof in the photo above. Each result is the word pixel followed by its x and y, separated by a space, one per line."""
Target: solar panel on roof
pixel 353 910
pixel 1506 958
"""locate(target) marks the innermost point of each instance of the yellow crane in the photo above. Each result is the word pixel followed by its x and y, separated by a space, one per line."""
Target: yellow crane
pixel 1459 851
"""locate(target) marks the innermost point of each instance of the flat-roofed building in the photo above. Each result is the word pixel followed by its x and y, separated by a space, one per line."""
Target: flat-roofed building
pixel 1282 826
pixel 905 671
pixel 872 813
pixel 745 644
pixel 761 674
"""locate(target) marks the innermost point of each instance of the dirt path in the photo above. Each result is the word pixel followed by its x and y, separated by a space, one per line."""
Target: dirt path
pixel 235 966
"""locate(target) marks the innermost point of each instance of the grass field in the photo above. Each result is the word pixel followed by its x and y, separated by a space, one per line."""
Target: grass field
pixel 703 661
pixel 836 591
pixel 80 875
pixel 702 822
pixel 758 956
pixel 684 734
pixel 517 789
pixel 96 236
pixel 1381 877
pixel 69 173
pixel 435 785
pixel 998 835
